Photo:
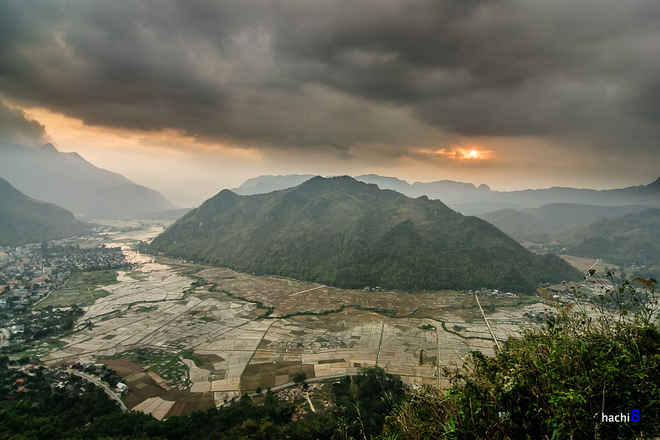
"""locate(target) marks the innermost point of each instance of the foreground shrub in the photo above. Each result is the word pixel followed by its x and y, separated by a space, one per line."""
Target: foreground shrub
pixel 556 381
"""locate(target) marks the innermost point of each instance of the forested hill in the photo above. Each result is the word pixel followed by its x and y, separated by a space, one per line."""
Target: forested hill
pixel 349 234
pixel 632 239
pixel 24 220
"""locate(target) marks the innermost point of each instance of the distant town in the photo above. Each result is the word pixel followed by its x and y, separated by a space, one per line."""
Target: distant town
pixel 29 273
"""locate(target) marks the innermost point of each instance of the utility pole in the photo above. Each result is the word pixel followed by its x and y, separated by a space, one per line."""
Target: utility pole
pixel 437 361
pixel 486 320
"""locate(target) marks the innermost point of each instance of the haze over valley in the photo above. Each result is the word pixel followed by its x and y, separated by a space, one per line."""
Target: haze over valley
pixel 285 219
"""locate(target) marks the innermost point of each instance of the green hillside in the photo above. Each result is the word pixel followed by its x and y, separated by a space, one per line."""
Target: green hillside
pixel 518 225
pixel 626 240
pixel 24 220
pixel 547 223
pixel 349 234
pixel 558 217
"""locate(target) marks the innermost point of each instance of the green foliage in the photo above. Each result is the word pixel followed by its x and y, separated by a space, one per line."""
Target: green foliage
pixel 363 402
pixel 571 221
pixel 518 225
pixel 626 240
pixel 81 289
pixel 45 414
pixel 93 416
pixel 348 234
pixel 556 380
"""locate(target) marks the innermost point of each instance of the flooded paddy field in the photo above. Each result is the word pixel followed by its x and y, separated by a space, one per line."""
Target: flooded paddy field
pixel 188 337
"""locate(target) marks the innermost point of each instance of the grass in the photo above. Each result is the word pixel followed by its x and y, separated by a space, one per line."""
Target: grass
pixel 180 267
pixel 137 275
pixel 88 245
pixel 430 360
pixel 39 349
pixel 81 289
pixel 165 364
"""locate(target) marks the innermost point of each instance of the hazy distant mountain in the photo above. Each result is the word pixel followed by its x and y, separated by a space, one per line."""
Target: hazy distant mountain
pixel 25 220
pixel 532 198
pixel 346 233
pixel 546 223
pixel 266 184
pixel 448 191
pixel 186 193
pixel 172 214
pixel 392 183
pixel 452 192
pixel 470 199
pixel 518 225
pixel 68 180
pixel 483 207
pixel 629 239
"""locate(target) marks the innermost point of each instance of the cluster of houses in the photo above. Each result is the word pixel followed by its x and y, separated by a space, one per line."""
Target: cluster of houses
pixel 16 383
pixel 27 273
pixel 540 316
pixel 37 324
pixel 107 375
pixel 493 293
pixel 303 393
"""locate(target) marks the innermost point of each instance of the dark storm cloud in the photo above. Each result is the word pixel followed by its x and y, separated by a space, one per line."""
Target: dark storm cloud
pixel 18 129
pixel 341 73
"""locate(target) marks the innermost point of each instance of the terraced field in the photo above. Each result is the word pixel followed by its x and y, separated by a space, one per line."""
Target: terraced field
pixel 203 334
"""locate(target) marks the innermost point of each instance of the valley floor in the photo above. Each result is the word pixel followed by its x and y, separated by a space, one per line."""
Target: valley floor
pixel 186 337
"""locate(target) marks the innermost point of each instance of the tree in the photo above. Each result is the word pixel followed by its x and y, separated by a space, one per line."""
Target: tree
pixel 550 382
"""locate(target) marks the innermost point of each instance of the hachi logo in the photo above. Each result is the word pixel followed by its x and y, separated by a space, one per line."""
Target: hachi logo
pixel 621 418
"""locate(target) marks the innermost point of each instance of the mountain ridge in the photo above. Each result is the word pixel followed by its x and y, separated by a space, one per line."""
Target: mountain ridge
pixel 630 239
pixel 342 232
pixel 25 220
pixel 471 199
pixel 68 180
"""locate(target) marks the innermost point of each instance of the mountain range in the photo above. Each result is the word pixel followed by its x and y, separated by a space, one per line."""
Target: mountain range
pixel 623 235
pixel 570 219
pixel 69 181
pixel 544 225
pixel 629 240
pixel 268 183
pixel 346 233
pixel 25 220
pixel 470 199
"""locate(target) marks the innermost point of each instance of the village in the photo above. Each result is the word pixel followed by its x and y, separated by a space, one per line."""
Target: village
pixel 185 337
pixel 20 378
pixel 28 274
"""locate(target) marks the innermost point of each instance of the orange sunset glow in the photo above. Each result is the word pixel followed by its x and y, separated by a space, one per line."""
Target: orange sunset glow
pixel 474 153
pixel 230 91
pixel 237 214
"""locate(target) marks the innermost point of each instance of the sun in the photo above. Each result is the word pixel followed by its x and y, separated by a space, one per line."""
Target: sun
pixel 473 154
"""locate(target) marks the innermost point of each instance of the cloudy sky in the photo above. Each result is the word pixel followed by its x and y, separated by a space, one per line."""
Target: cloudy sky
pixel 511 93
